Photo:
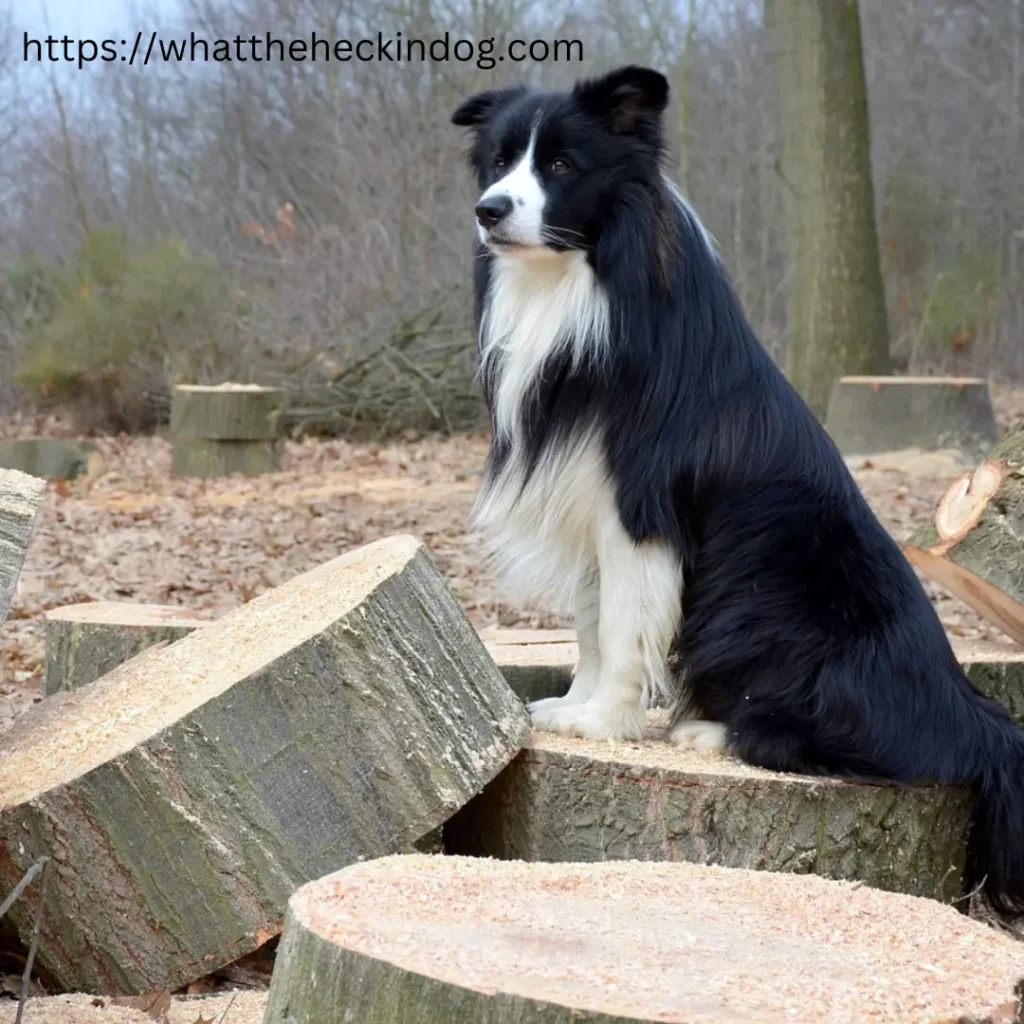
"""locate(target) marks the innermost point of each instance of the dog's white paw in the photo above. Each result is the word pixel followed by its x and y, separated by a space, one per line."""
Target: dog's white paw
pixel 699 735
pixel 592 720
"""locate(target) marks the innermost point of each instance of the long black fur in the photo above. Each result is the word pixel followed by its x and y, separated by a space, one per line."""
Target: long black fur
pixel 804 630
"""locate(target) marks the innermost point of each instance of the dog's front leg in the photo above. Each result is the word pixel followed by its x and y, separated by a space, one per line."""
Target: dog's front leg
pixel 640 595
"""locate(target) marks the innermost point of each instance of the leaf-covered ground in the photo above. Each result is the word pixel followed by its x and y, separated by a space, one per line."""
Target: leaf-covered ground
pixel 128 531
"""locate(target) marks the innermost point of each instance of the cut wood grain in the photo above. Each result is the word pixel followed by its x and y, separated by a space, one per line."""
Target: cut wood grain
pixel 577 800
pixel 883 414
pixel 186 794
pixel 446 940
pixel 21 497
pixel 974 544
pixel 85 641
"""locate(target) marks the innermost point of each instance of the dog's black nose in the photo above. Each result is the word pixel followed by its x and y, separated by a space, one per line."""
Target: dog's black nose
pixel 493 211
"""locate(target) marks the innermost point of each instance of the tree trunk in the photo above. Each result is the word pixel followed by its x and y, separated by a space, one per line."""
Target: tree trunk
pixel 974 544
pixel 201 458
pixel 47 457
pixel 227 412
pixel 837 322
pixel 185 795
pixel 571 800
pixel 21 497
pixel 448 940
pixel 867 415
pixel 86 641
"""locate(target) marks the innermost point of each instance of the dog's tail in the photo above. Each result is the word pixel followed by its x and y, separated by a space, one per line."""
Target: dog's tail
pixel 995 853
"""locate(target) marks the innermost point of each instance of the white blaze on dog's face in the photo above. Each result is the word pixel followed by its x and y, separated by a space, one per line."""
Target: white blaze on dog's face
pixel 511 211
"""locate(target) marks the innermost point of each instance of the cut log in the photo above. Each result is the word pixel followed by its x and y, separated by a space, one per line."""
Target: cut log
pixel 186 794
pixel 997 671
pixel 21 497
pixel 191 457
pixel 447 940
pixel 974 544
pixel 48 457
pixel 86 641
pixel 884 414
pixel 227 412
pixel 575 800
pixel 536 670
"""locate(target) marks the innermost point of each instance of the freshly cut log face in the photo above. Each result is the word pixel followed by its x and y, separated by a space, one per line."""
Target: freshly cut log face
pixel 974 544
pixel 867 415
pixel 186 794
pixel 21 496
pixel 446 940
pixel 577 800
pixel 85 641
pixel 997 670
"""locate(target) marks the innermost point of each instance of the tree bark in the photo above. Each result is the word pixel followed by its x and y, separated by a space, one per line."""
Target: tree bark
pixel 997 671
pixel 185 795
pixel 227 412
pixel 867 415
pixel 21 497
pixel 974 544
pixel 86 641
pixel 47 457
pixel 838 322
pixel 570 800
pixel 202 458
pixel 448 940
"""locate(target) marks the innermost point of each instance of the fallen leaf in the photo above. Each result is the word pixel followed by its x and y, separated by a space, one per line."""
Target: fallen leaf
pixel 153 1004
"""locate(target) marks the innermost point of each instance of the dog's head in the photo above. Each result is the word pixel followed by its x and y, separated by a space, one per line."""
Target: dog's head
pixel 552 166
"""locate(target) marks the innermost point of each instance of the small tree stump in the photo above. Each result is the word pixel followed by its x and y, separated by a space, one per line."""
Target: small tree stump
pixel 535 670
pixel 446 940
pixel 21 497
pixel 227 412
pixel 974 544
pixel 882 414
pixel 47 457
pixel 574 800
pixel 86 641
pixel 185 795
pixel 997 671
pixel 191 457
pixel 227 428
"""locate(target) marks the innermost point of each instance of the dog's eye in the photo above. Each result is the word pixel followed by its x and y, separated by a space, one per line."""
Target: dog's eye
pixel 558 166
pixel 499 164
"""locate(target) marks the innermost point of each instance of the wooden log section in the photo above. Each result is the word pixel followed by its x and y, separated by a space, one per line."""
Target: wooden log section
pixel 536 670
pixel 47 457
pixel 577 800
pixel 21 497
pixel 447 940
pixel 227 412
pixel 974 544
pixel 997 670
pixel 192 457
pixel 86 641
pixel 185 795
pixel 883 414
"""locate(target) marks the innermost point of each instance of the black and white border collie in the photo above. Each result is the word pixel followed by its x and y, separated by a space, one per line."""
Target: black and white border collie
pixel 653 471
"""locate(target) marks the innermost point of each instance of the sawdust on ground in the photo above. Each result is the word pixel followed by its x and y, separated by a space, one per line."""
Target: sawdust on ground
pixel 226 1008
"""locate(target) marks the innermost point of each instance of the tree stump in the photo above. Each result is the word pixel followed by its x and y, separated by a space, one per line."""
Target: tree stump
pixel 185 795
pixel 997 671
pixel 575 800
pixel 533 666
pixel 883 414
pixel 86 641
pixel 47 457
pixel 227 428
pixel 974 544
pixel 21 497
pixel 447 940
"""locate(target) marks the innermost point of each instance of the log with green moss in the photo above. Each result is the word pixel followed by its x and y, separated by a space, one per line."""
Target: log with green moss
pixel 867 415
pixel 184 796
pixel 974 544
pixel 227 412
pixel 575 800
pixel 448 940
pixel 21 497
pixel 86 641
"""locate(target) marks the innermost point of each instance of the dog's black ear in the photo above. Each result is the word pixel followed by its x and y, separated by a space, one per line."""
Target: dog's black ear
pixel 479 109
pixel 628 98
